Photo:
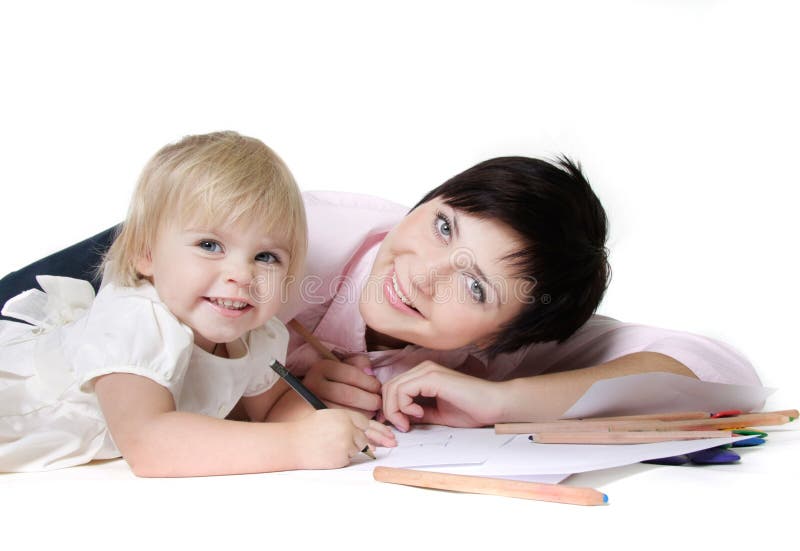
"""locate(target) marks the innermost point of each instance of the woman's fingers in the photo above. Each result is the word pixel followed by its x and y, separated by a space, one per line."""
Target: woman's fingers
pixel 399 394
pixel 346 373
pixel 344 384
pixel 362 362
pixel 352 372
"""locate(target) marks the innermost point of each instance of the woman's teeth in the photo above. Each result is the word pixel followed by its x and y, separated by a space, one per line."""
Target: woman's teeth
pixel 400 294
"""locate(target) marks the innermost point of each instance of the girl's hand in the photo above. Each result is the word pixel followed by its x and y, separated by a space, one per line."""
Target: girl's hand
pixel 349 385
pixel 459 400
pixel 328 438
pixel 381 435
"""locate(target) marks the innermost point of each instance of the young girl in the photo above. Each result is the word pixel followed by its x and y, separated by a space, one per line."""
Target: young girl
pixel 182 331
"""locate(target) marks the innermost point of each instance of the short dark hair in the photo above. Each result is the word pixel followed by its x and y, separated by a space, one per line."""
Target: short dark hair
pixel 563 227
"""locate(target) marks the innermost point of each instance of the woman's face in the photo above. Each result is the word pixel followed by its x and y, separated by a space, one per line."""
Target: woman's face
pixel 439 279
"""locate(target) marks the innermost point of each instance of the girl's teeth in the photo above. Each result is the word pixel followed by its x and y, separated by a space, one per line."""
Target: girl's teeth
pixel 230 304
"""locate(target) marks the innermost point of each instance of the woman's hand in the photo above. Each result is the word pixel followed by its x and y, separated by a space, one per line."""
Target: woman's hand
pixel 349 384
pixel 460 400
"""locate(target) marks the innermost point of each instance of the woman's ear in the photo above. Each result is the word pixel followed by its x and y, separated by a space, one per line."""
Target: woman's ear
pixel 144 264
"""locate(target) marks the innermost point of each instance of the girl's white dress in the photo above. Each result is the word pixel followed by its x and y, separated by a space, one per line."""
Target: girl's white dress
pixel 49 415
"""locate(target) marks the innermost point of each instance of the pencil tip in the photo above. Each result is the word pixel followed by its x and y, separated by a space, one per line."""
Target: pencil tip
pixel 368 452
pixel 605 498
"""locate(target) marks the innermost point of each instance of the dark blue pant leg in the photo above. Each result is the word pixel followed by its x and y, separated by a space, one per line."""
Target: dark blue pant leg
pixel 79 261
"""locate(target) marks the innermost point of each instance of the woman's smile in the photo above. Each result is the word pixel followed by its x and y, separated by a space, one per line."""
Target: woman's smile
pixel 397 297
pixel 425 294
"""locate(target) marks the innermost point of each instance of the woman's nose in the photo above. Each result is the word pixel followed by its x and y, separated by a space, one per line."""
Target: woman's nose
pixel 430 274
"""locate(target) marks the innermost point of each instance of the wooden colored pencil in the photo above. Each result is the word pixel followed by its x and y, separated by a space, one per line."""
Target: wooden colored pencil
pixel 491 486
pixel 633 437
pixel 309 337
pixel 793 413
pixel 739 421
pixel 670 416
pixel 588 425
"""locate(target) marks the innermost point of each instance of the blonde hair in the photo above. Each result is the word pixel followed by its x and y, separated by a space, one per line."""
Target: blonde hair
pixel 217 178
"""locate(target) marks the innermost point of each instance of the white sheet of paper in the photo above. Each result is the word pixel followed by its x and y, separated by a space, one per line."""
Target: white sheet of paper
pixel 481 452
pixel 662 393
pixel 434 445
pixel 523 457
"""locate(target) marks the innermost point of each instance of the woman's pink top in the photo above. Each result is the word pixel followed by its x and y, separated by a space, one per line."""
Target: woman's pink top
pixel 345 232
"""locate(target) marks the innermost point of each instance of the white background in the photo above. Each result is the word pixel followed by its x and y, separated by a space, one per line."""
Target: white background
pixel 684 114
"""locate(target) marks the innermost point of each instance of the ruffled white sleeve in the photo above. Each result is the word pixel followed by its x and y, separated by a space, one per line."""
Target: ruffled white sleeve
pixel 129 330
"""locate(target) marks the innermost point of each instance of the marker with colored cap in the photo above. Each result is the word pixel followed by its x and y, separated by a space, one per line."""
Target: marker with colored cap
pixel 713 456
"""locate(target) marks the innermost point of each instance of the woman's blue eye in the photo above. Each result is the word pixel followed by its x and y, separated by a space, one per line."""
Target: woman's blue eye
pixel 442 225
pixel 476 289
pixel 269 258
pixel 210 246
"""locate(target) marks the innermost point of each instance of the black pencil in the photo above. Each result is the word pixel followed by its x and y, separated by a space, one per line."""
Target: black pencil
pixel 306 394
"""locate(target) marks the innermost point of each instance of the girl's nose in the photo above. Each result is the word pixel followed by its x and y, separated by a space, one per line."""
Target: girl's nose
pixel 239 272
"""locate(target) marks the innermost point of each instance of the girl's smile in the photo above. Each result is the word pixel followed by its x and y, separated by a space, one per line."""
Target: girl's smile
pixel 229 308
pixel 221 281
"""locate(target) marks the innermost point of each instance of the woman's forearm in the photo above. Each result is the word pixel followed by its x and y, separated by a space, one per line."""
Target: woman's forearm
pixel 545 397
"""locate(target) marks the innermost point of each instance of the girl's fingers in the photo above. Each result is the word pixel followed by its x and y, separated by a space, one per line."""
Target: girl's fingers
pixel 359 421
pixel 360 439
pixel 381 435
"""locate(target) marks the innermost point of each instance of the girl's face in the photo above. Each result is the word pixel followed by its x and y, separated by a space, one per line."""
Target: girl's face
pixel 221 281
pixel 439 280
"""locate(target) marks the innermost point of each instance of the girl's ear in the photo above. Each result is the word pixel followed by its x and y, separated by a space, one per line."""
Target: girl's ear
pixel 144 264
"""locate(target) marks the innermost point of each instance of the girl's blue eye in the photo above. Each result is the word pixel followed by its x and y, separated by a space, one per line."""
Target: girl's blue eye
pixel 476 289
pixel 269 258
pixel 441 225
pixel 210 246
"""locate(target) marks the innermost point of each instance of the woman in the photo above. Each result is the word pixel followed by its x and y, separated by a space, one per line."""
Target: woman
pixel 480 299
